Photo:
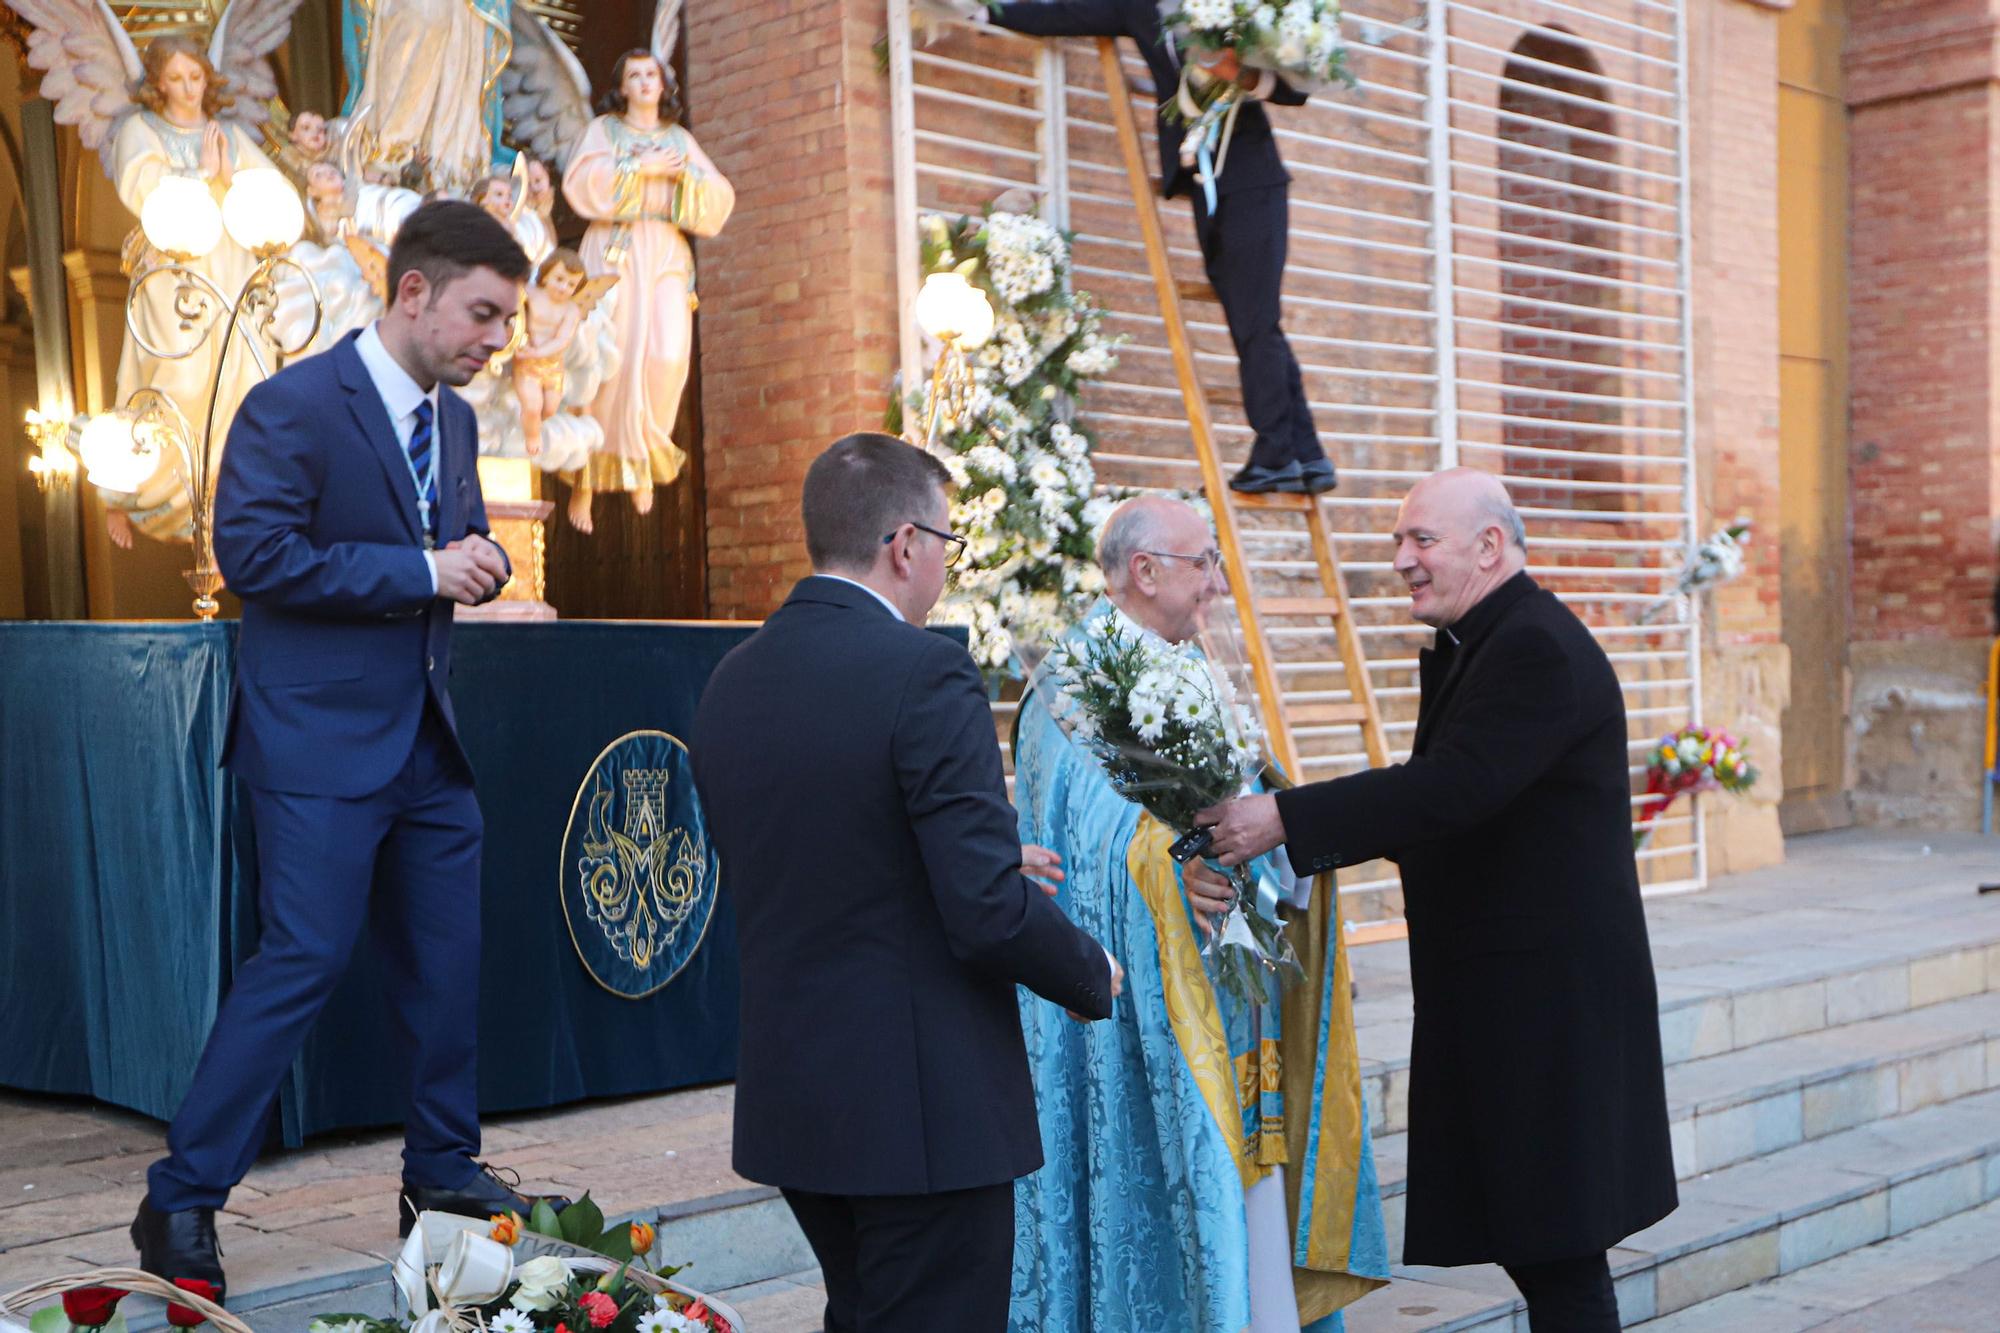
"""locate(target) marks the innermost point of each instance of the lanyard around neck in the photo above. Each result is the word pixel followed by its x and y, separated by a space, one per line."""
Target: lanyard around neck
pixel 427 481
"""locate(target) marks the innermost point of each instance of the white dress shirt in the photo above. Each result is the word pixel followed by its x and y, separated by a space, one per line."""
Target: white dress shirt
pixel 400 397
pixel 842 578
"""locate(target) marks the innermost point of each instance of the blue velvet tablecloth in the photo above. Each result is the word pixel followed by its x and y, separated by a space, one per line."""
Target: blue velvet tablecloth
pixel 127 871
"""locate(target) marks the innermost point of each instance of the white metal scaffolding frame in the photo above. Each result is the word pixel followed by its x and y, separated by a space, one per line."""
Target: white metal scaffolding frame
pixel 1489 264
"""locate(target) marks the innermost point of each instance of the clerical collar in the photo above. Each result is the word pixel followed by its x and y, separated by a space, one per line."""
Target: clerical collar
pixel 1485 613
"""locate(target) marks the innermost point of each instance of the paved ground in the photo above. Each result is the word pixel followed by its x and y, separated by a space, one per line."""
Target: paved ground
pixel 306 1222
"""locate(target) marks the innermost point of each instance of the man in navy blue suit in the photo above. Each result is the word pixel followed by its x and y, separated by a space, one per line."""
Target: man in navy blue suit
pixel 847 761
pixel 348 519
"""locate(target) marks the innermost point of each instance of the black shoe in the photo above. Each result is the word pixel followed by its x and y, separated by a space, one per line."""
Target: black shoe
pixel 1318 476
pixel 1254 480
pixel 179 1245
pixel 483 1196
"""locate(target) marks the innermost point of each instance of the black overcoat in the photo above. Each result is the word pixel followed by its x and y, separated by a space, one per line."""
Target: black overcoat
pixel 847 766
pixel 1538 1120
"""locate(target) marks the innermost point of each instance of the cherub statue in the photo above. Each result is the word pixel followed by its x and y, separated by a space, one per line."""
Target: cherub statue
pixel 553 309
pixel 495 194
pixel 181 110
pixel 348 273
pixel 534 220
pixel 423 92
pixel 644 183
pixel 308 140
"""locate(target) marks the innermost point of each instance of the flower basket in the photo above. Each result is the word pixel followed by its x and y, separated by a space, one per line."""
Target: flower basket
pixel 20 1305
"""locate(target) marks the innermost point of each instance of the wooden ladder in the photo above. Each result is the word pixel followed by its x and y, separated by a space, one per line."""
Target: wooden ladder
pixel 1250 608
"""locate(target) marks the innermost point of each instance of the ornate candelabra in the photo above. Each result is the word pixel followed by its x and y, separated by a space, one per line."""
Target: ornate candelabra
pixel 122 449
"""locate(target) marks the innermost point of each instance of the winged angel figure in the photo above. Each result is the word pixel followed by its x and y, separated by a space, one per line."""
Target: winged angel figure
pixel 645 185
pixel 177 110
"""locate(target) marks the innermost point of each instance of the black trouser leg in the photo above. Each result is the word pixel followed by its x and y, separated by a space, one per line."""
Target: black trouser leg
pixel 1568 1295
pixel 1243 247
pixel 912 1263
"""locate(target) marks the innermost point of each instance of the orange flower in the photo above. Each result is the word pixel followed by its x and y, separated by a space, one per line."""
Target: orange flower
pixel 642 1238
pixel 506 1227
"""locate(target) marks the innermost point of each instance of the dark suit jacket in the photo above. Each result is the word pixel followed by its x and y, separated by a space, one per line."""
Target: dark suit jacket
pixel 1538 1120
pixel 316 530
pixel 1253 153
pixel 850 773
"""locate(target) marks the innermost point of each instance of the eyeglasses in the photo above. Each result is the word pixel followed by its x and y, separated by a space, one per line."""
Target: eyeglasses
pixel 954 545
pixel 1208 562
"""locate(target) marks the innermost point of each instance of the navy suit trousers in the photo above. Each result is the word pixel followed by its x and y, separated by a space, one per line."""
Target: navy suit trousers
pixel 404 861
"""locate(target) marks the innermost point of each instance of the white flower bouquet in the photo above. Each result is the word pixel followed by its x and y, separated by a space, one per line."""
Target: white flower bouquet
pixel 551 1273
pixel 1717 560
pixel 1300 41
pixel 1173 739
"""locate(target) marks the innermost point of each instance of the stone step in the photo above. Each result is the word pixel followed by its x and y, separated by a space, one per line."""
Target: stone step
pixel 1943 1276
pixel 1713 1009
pixel 1738 1107
pixel 1744 1224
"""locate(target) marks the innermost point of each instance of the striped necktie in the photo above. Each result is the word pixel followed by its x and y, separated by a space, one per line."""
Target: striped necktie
pixel 420 462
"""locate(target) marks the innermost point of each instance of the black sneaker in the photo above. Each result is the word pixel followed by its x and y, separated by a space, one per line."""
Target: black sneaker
pixel 1254 480
pixel 179 1245
pixel 483 1196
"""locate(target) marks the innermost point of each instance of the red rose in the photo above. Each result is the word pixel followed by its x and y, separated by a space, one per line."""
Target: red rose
pixel 599 1307
pixel 91 1307
pixel 183 1316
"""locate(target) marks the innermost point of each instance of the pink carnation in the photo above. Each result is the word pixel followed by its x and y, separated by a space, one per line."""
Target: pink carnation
pixel 600 1307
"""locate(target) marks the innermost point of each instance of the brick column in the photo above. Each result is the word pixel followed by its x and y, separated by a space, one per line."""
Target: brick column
pixel 1733 153
pixel 798 334
pixel 1926 453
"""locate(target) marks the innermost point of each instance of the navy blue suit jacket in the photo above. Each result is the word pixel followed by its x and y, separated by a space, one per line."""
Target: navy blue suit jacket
pixel 343 641
pixel 851 777
pixel 1253 153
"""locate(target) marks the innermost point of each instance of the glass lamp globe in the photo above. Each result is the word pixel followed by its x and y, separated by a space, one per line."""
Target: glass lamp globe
pixel 951 309
pixel 180 217
pixel 114 456
pixel 262 211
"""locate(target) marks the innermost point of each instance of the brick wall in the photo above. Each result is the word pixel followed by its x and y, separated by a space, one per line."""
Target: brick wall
pixel 798 333
pixel 1925 447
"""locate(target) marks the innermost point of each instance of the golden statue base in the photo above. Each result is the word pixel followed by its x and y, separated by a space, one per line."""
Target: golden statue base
pixel 511 489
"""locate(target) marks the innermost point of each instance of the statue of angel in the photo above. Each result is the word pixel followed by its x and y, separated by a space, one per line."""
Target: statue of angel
pixel 645 185
pixel 178 110
pixel 533 220
pixel 533 400
pixel 333 291
pixel 423 89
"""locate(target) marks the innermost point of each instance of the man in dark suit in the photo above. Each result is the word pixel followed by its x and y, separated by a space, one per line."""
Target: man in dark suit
pixel 1243 236
pixel 1538 1119
pixel 848 764
pixel 349 520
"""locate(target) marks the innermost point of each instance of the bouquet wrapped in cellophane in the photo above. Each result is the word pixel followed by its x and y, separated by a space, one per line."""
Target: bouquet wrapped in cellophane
pixel 1166 725
pixel 1691 760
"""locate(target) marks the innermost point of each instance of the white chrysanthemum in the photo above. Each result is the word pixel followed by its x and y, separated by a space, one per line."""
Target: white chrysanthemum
pixel 514 1321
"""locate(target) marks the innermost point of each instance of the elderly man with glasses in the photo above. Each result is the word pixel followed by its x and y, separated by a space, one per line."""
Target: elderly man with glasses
pixel 1192 1110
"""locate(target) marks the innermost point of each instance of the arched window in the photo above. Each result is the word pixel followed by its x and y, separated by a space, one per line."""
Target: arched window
pixel 1557 260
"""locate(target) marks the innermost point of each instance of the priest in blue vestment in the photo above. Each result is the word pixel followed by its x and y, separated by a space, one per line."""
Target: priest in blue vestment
pixel 1208 1166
